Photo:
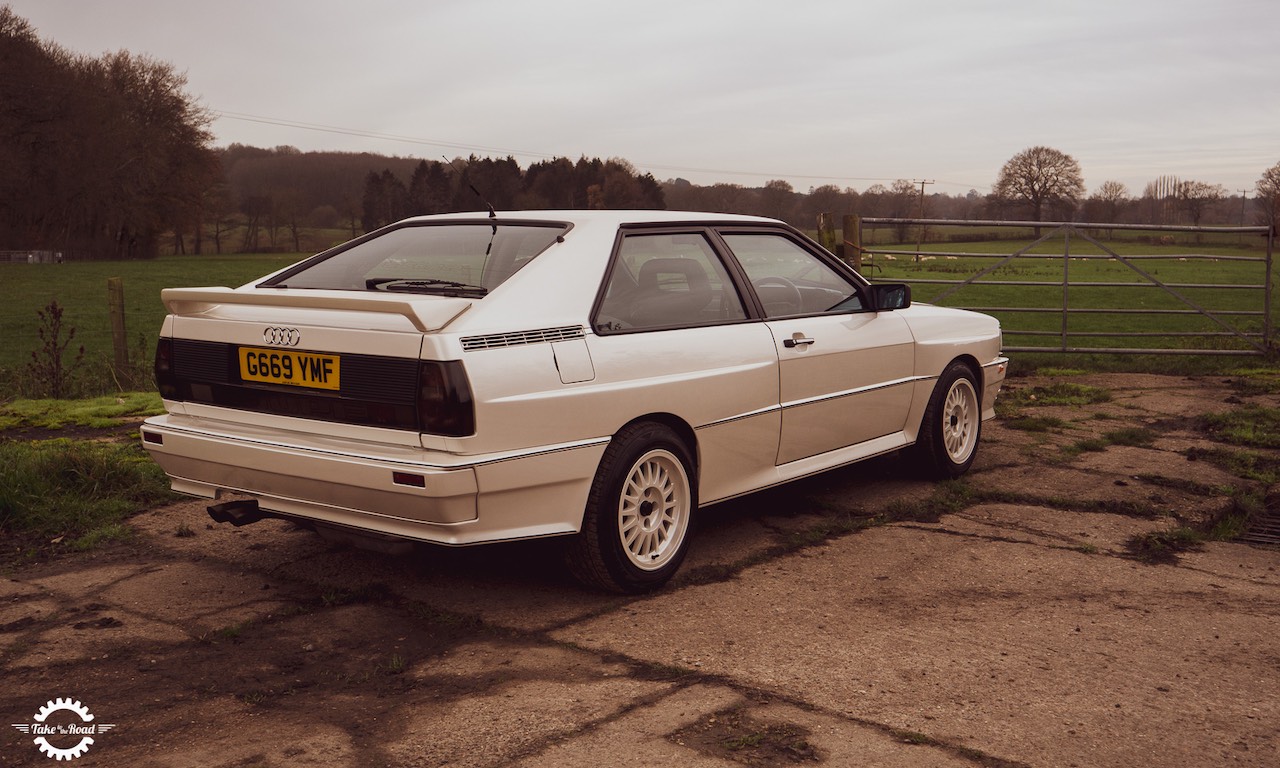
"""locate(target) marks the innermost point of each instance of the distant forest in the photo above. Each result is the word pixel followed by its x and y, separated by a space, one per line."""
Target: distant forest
pixel 109 157
pixel 285 200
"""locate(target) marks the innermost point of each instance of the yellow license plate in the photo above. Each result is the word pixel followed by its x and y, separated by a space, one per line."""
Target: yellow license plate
pixel 297 369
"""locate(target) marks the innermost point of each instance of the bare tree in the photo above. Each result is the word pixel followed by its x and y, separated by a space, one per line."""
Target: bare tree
pixel 1160 198
pixel 873 201
pixel 777 197
pixel 827 198
pixel 221 210
pixel 1268 200
pixel 904 203
pixel 1041 177
pixel 1108 199
pixel 1194 197
pixel 1107 202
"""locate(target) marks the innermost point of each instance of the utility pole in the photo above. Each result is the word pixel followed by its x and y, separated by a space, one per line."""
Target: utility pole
pixel 1244 194
pixel 920 215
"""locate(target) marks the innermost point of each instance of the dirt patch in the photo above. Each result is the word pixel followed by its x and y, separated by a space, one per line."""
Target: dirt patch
pixel 736 735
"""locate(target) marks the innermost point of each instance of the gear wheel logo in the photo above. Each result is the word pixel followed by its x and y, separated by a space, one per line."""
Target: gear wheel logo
pixel 78 735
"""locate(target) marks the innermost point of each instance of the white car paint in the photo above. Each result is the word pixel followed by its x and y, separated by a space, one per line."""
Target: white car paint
pixel 550 392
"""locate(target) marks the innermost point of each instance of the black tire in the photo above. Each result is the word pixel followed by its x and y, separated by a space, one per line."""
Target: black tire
pixel 635 529
pixel 952 425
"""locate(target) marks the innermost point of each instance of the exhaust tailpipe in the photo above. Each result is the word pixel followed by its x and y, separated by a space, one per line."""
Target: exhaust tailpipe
pixel 238 513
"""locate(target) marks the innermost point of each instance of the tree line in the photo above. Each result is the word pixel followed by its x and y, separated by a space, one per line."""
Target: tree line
pixel 97 154
pixel 109 157
pixel 273 198
pixel 476 184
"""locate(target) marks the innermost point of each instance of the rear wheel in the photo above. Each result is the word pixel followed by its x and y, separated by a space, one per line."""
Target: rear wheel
pixel 635 527
pixel 948 440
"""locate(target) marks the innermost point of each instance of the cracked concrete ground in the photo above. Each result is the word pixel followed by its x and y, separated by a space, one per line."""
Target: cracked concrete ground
pixel 857 618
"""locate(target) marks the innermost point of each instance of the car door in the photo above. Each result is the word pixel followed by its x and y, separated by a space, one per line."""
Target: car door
pixel 845 373
pixel 672 334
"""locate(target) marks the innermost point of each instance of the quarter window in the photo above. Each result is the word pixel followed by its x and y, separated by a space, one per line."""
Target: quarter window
pixel 666 281
pixel 788 279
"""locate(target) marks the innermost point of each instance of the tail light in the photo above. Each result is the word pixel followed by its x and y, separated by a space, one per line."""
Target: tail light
pixel 166 382
pixel 444 399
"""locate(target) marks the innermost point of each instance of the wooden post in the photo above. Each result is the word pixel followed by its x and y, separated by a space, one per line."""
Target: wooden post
pixel 826 232
pixel 115 307
pixel 853 240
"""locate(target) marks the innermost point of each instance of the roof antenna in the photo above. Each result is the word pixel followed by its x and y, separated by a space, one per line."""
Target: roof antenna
pixel 492 213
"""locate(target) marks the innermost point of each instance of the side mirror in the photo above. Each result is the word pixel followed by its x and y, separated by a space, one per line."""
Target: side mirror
pixel 886 297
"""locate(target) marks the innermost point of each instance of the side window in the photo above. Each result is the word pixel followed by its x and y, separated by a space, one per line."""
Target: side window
pixel 789 279
pixel 667 280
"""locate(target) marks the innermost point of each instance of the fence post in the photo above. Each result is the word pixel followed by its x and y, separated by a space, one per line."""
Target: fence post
pixel 853 240
pixel 115 307
pixel 826 232
pixel 1066 283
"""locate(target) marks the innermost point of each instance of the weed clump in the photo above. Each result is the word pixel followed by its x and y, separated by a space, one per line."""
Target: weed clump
pixel 1253 426
pixel 1057 393
pixel 1163 547
pixel 1246 464
pixel 47 370
pixel 78 492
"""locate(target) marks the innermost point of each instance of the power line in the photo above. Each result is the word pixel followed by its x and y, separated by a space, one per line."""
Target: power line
pixel 375 135
pixel 920 230
pixel 342 131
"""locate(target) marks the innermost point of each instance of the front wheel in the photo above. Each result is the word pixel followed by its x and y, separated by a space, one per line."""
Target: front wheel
pixel 635 527
pixel 952 424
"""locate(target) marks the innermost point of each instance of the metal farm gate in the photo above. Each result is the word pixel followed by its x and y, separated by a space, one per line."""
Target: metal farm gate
pixel 1093 294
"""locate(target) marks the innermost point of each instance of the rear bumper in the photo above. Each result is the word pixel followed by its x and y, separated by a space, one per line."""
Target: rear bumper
pixel 396 490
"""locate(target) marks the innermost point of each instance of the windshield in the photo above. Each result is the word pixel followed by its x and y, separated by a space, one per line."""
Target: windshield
pixel 455 259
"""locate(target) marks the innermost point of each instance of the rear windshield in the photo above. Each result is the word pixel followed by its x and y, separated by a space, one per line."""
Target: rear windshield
pixel 455 259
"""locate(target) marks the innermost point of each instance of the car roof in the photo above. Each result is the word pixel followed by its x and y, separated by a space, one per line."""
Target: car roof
pixel 597 217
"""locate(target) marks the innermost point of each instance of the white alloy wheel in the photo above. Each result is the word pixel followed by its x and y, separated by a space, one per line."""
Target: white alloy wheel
pixel 636 525
pixel 960 418
pixel 947 442
pixel 653 510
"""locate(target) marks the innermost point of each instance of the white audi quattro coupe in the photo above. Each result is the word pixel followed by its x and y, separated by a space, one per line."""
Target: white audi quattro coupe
pixel 471 378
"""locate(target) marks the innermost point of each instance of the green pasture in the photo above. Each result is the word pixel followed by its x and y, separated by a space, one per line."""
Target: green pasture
pixel 80 288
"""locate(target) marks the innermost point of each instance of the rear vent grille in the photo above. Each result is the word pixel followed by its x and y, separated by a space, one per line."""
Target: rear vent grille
pixel 202 360
pixel 516 338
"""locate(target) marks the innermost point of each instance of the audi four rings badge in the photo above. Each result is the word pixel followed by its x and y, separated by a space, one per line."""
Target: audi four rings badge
pixel 281 337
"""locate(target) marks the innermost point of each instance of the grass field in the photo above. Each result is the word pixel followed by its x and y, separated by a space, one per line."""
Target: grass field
pixel 80 288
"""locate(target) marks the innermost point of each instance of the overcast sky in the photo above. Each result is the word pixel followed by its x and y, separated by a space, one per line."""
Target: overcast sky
pixel 847 92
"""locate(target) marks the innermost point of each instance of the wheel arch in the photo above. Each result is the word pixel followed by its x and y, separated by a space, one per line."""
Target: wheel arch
pixel 916 420
pixel 971 363
pixel 931 447
pixel 630 539
pixel 678 425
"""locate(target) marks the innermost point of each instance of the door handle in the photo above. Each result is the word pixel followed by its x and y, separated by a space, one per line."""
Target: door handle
pixel 798 341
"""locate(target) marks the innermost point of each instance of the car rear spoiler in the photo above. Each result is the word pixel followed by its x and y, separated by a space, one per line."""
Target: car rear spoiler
pixel 427 313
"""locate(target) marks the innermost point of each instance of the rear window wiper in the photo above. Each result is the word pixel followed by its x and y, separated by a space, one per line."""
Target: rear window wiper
pixel 430 285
